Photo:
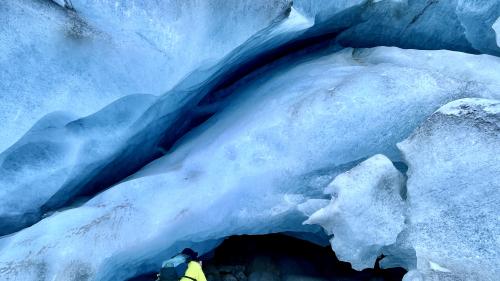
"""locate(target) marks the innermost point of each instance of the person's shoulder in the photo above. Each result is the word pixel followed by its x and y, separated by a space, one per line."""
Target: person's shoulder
pixel 194 263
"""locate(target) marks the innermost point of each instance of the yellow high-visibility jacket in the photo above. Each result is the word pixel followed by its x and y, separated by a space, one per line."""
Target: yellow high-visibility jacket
pixel 194 271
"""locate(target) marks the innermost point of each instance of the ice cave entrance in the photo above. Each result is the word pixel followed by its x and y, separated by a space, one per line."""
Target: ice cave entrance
pixel 280 257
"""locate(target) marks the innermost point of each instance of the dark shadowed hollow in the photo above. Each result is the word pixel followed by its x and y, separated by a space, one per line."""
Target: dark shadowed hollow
pixel 278 257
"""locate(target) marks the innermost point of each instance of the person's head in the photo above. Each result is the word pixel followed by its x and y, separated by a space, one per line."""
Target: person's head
pixel 192 255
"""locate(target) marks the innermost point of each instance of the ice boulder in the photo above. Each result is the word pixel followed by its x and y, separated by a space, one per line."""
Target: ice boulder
pixel 453 184
pixel 366 213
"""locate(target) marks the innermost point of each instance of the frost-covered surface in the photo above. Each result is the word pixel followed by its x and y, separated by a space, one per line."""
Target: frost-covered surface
pixel 276 144
pixel 453 191
pixel 366 213
pixel 52 58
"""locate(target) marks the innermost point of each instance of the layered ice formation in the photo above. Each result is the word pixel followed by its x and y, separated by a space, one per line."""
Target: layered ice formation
pixel 81 59
pixel 276 144
pixel 248 111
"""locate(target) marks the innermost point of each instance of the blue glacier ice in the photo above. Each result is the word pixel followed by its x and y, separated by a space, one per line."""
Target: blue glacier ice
pixel 276 145
pixel 133 129
pixel 53 58
pixel 57 149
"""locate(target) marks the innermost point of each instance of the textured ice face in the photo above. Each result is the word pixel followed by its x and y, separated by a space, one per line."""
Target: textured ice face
pixel 115 40
pixel 460 25
pixel 245 171
pixel 116 153
pixel 52 58
pixel 261 163
pixel 453 191
pixel 366 213
pixel 55 151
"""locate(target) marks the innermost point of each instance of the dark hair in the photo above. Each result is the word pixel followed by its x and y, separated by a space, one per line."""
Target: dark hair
pixel 192 255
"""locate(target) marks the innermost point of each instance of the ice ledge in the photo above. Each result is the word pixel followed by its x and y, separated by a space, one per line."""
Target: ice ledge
pixel 469 106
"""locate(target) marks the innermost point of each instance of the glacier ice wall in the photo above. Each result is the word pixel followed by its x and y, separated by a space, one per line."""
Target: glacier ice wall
pixel 276 145
pixel 257 107
pixel 200 92
pixel 100 50
pixel 55 149
pixel 55 58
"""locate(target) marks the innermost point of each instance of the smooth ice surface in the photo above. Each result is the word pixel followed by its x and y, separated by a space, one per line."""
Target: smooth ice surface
pixel 248 168
pixel 366 212
pixel 453 183
pixel 80 60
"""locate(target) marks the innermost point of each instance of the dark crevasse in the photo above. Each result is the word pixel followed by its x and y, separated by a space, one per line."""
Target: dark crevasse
pixel 276 257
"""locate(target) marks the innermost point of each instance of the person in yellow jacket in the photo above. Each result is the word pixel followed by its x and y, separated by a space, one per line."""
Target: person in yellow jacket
pixel 194 271
pixel 182 267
